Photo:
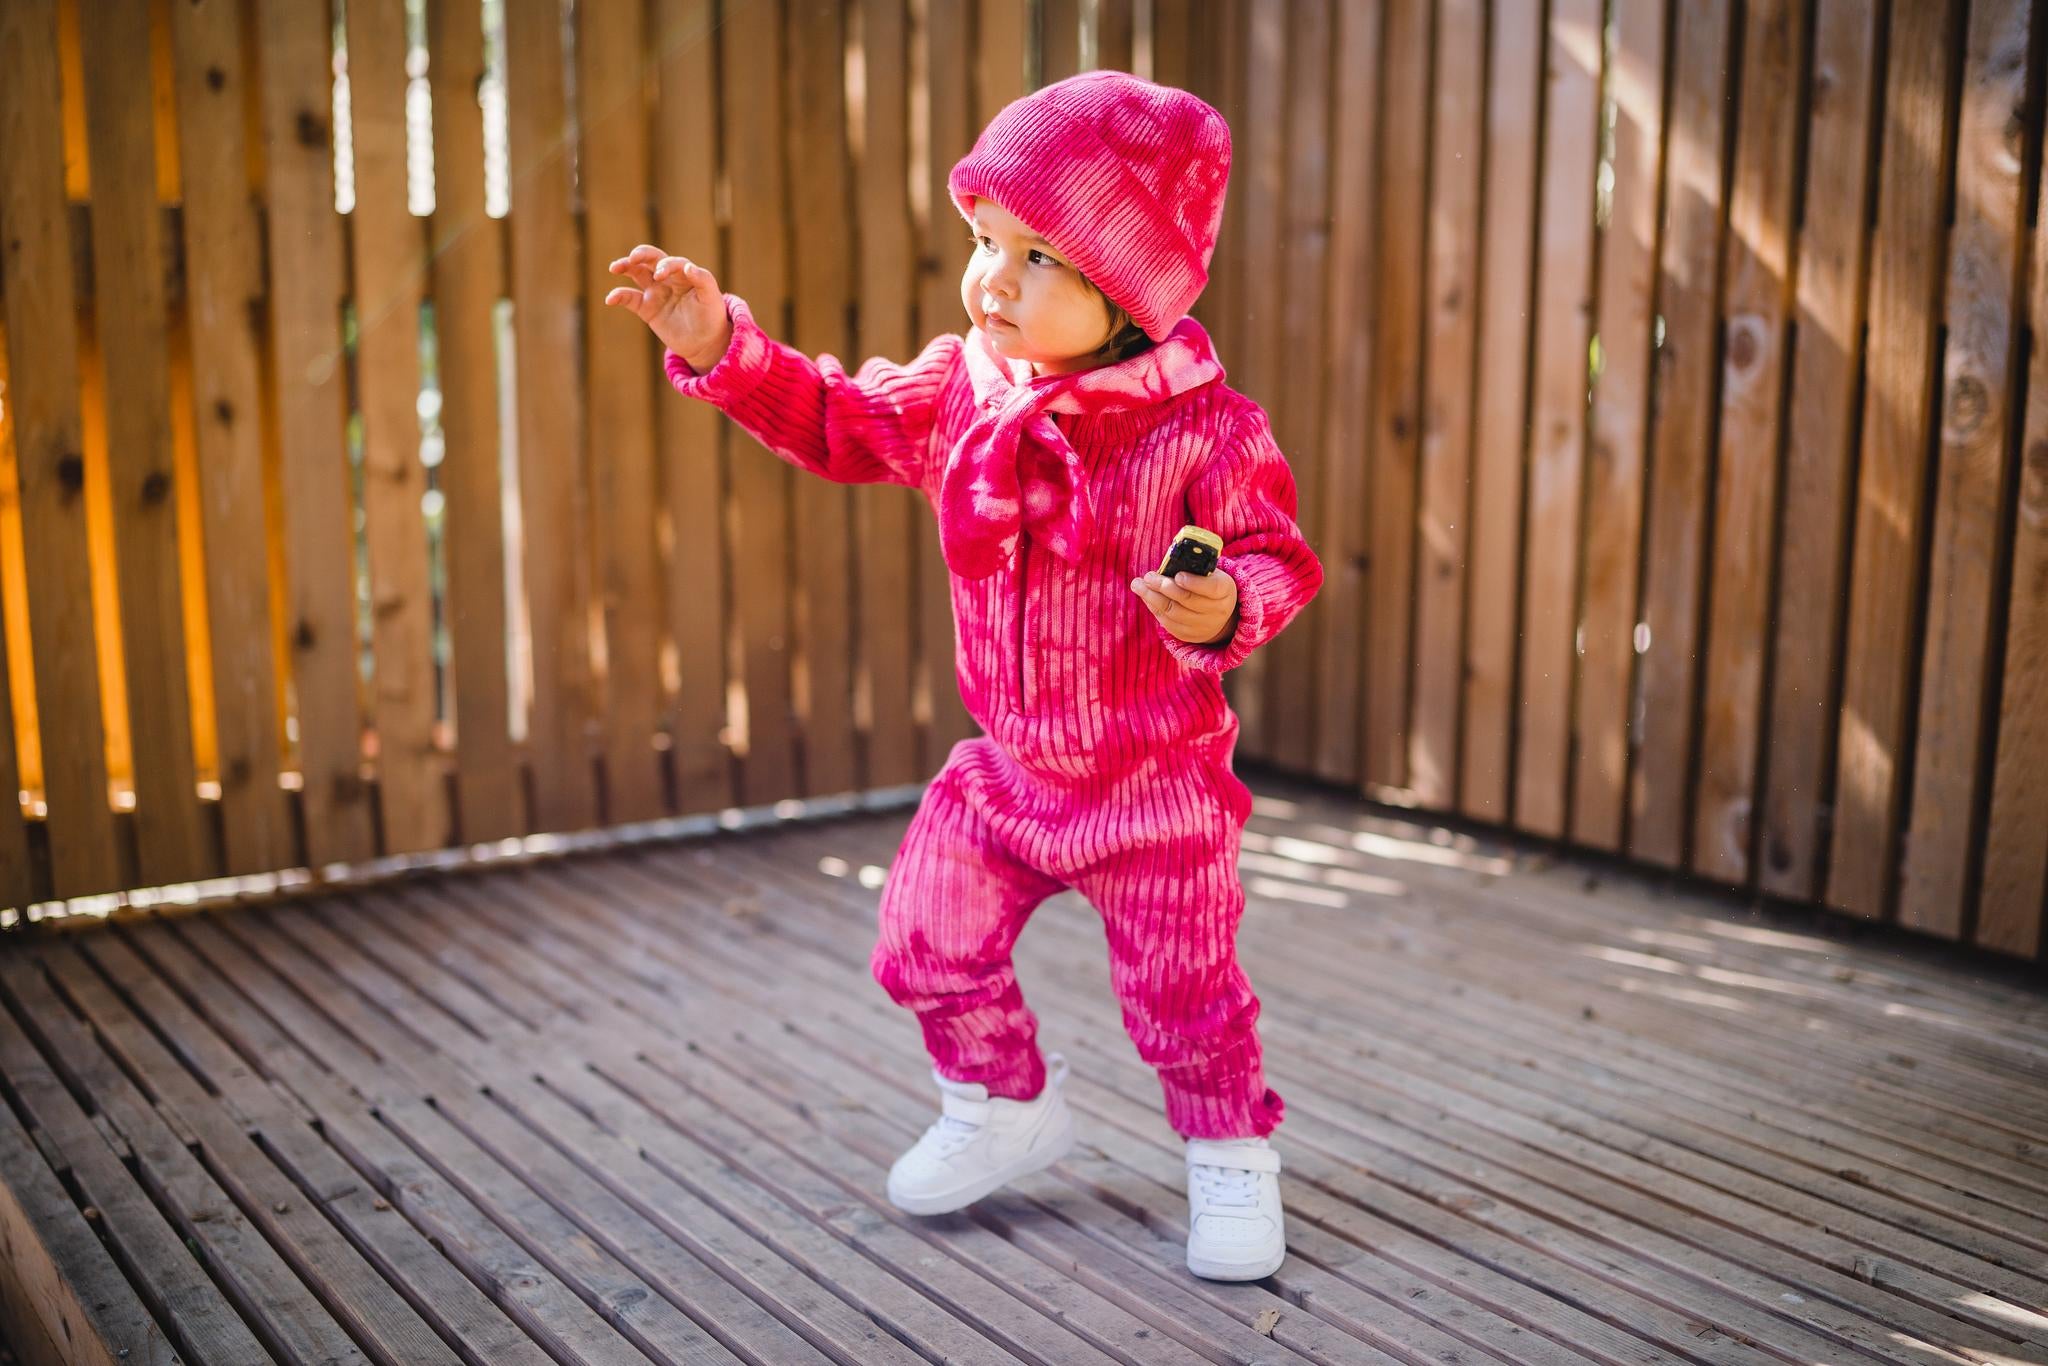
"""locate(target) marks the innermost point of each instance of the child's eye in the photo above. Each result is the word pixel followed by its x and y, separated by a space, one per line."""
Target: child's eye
pixel 984 244
pixel 1041 256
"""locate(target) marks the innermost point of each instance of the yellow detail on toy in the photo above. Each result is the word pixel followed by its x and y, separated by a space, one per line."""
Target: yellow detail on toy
pixel 1195 550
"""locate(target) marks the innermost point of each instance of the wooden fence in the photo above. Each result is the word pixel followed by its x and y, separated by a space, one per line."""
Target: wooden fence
pixel 1656 378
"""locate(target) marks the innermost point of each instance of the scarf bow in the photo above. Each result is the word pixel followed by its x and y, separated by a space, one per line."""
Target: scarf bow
pixel 1013 470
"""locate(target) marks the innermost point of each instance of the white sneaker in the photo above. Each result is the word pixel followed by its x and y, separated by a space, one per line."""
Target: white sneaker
pixel 1236 1231
pixel 981 1143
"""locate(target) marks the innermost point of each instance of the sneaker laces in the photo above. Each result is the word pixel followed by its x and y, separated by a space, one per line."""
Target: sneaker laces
pixel 952 1133
pixel 1228 1187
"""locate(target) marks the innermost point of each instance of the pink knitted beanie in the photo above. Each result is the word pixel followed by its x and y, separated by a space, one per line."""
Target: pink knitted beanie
pixel 1125 177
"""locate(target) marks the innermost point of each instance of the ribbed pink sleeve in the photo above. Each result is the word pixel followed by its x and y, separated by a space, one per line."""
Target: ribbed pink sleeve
pixel 1247 496
pixel 869 427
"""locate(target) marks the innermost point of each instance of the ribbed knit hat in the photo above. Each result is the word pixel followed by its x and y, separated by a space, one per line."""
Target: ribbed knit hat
pixel 1125 177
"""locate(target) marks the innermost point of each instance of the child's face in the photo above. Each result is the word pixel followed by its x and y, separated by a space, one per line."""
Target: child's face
pixel 1033 304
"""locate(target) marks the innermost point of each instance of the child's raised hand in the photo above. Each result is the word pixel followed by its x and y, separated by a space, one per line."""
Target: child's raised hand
pixel 1200 609
pixel 678 300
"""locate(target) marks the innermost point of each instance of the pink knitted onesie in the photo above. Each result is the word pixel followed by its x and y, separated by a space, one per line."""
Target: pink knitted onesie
pixel 1105 763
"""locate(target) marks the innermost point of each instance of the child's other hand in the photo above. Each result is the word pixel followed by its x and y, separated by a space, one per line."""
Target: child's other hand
pixel 1200 609
pixel 678 300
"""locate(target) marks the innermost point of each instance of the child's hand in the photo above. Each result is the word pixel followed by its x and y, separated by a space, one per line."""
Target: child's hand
pixel 1200 609
pixel 679 300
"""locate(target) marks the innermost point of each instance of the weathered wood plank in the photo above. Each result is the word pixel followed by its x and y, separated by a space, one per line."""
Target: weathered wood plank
pixel 1564 294
pixel 1681 433
pixel 388 254
pixel 1615 465
pixel 1890 535
pixel 1756 304
pixel 469 265
pixel 223 260
pixel 821 259
pixel 1456 148
pixel 306 366
pixel 1980 372
pixel 1059 40
pixel 1828 352
pixel 550 397
pixel 17 876
pixel 1507 272
pixel 691 434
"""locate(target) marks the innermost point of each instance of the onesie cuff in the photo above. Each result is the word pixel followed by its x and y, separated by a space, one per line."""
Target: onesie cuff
pixel 738 372
pixel 1251 618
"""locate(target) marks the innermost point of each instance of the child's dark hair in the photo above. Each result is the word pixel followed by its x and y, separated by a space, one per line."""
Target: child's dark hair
pixel 1126 338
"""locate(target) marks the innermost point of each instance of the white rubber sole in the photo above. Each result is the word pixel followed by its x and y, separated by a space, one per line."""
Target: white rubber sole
pixel 1037 1159
pixel 1237 1271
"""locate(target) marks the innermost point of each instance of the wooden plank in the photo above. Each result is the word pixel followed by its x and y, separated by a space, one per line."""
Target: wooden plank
pixel 886 517
pixel 1452 231
pixel 1621 397
pixel 1298 407
pixel 750 53
pixel 1980 370
pixel 172 842
pixel 43 396
pixel 2014 901
pixel 1059 40
pixel 296 1224
pixel 690 434
pixel 387 251
pixel 1827 357
pixel 1889 537
pixel 952 128
pixel 223 260
pixel 306 364
pixel 822 261
pixel 17 875
pixel 624 362
pixel 1500 435
pixel 1115 34
pixel 469 264
pixel 1338 527
pixel 1757 300
pixel 1681 428
pixel 1259 164
pixel 1002 35
pixel 1398 359
pixel 1564 296
pixel 1176 44
pixel 545 289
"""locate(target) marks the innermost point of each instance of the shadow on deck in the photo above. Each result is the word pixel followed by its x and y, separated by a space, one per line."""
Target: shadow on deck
pixel 639 1105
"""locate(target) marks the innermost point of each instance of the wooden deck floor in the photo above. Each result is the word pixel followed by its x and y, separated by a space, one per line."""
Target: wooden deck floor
pixel 639 1107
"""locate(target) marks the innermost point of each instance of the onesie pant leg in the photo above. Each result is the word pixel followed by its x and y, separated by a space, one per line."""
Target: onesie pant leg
pixel 952 908
pixel 1171 910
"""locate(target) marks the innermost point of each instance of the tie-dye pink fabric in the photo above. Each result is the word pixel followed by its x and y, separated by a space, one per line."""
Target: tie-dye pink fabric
pixel 1105 763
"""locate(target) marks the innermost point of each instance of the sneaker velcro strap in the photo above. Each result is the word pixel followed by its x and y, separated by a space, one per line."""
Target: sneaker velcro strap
pixel 960 1107
pixel 1234 1156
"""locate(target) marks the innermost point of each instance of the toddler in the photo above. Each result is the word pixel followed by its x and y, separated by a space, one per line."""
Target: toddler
pixel 1062 443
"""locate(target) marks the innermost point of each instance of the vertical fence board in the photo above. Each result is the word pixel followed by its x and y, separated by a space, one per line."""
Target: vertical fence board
pixel 16 874
pixel 886 517
pixel 751 50
pixel 1681 430
pixel 1827 357
pixel 173 844
pixel 387 243
pixel 43 396
pixel 1457 146
pixel 1179 41
pixel 1398 360
pixel 1969 514
pixel 468 266
pixel 1059 40
pixel 1904 302
pixel 1115 33
pixel 544 291
pixel 1756 306
pixel 305 317
pixel 690 433
pixel 1290 668
pixel 1500 432
pixel 222 269
pixel 1002 41
pixel 950 134
pixel 1564 298
pixel 1338 526
pixel 1614 471
pixel 823 260
pixel 2012 905
pixel 624 361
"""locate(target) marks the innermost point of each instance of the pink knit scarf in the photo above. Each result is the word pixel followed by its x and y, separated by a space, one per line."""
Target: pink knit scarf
pixel 1014 470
